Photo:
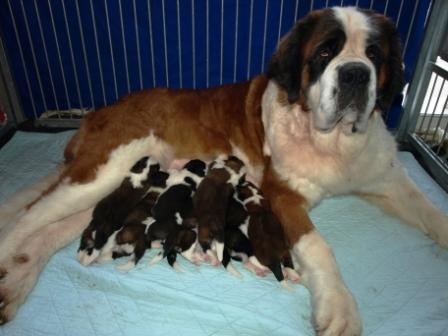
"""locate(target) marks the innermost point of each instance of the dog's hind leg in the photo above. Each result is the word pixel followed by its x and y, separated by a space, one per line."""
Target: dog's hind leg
pixel 69 196
pixel 399 196
pixel 13 208
pixel 21 272
pixel 64 200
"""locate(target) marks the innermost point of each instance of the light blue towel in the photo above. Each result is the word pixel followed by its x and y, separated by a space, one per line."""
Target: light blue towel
pixel 398 276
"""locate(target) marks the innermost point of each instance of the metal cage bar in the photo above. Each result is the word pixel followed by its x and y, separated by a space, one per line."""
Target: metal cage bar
pixel 425 119
pixel 100 50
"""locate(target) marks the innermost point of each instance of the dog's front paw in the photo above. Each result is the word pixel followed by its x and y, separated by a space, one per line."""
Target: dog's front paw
pixel 336 313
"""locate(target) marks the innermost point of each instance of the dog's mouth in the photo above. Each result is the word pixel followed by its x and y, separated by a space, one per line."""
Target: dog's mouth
pixel 351 114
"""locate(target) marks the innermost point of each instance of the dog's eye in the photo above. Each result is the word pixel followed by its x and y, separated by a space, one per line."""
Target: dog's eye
pixel 373 52
pixel 324 52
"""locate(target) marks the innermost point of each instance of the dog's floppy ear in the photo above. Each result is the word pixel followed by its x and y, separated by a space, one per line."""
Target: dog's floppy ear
pixel 393 68
pixel 285 67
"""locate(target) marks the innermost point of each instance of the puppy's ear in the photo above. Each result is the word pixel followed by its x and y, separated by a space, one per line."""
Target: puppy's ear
pixel 286 65
pixel 393 68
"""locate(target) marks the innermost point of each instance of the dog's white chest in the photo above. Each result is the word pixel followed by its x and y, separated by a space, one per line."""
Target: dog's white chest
pixel 323 164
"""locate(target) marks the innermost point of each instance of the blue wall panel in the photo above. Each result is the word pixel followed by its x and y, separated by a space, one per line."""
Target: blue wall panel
pixel 87 53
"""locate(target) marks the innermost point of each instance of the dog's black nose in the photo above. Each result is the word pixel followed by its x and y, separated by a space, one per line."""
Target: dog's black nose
pixel 354 74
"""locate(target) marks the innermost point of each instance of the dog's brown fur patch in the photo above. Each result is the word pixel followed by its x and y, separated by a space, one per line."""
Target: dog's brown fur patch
pixel 289 206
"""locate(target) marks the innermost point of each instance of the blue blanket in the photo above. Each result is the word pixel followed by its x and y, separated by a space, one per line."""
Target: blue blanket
pixel 398 276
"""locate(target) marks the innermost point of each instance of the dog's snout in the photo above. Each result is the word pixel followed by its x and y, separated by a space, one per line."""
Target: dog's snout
pixel 354 74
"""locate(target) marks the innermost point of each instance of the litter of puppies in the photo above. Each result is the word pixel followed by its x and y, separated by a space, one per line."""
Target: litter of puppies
pixel 205 213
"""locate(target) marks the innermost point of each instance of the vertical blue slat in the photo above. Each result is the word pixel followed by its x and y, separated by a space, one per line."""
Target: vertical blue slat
pixel 24 82
pixel 60 62
pixel 33 54
pixel 235 49
pixel 151 43
pixel 72 57
pixel 98 54
pixel 114 74
pixel 179 46
pixel 107 48
pixel 137 43
pixel 84 54
pixel 45 49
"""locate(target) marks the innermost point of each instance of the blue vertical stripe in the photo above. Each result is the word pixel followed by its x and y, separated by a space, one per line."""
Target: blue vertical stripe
pixel 100 50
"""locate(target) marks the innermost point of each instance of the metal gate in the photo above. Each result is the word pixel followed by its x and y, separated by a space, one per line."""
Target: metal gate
pixel 425 118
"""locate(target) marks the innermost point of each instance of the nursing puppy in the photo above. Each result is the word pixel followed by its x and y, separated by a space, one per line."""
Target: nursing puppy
pixel 131 240
pixel 176 203
pixel 184 241
pixel 174 216
pixel 265 233
pixel 211 201
pixel 110 213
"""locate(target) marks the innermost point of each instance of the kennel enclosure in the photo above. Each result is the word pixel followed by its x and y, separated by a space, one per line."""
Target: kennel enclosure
pixel 61 59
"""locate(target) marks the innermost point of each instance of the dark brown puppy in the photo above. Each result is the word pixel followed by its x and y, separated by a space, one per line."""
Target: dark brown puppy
pixel 211 200
pixel 265 233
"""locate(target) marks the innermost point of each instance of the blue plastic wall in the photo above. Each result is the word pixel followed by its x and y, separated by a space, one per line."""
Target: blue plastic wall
pixel 61 55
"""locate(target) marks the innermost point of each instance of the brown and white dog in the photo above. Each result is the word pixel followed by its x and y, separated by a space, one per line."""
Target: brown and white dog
pixel 310 129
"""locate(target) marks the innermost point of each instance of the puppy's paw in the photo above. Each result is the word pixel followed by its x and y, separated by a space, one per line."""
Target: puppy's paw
pixel 232 270
pixel 157 258
pixel 291 275
pixel 126 267
pixel 86 257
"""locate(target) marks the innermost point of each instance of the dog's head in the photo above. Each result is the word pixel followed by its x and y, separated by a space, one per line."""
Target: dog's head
pixel 340 64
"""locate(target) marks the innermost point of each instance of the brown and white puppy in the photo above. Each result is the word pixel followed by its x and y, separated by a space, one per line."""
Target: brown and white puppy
pixel 131 240
pixel 211 201
pixel 110 213
pixel 176 201
pixel 173 216
pixel 265 233
pixel 236 244
pixel 317 118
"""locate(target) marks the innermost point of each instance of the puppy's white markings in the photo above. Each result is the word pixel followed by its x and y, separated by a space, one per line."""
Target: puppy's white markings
pixel 212 258
pixel 219 248
pixel 285 285
pixel 157 258
pixel 178 218
pixel 291 274
pixel 156 243
pixel 190 254
pixel 86 259
pixel 232 270
pixel 148 222
pixel 178 268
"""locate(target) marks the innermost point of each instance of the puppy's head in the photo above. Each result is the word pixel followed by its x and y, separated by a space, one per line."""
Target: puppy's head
pixel 197 167
pixel 340 64
pixel 251 197
pixel 234 167
pixel 142 170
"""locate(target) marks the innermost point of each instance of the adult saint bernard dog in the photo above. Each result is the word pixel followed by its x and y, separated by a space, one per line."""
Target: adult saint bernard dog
pixel 309 129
